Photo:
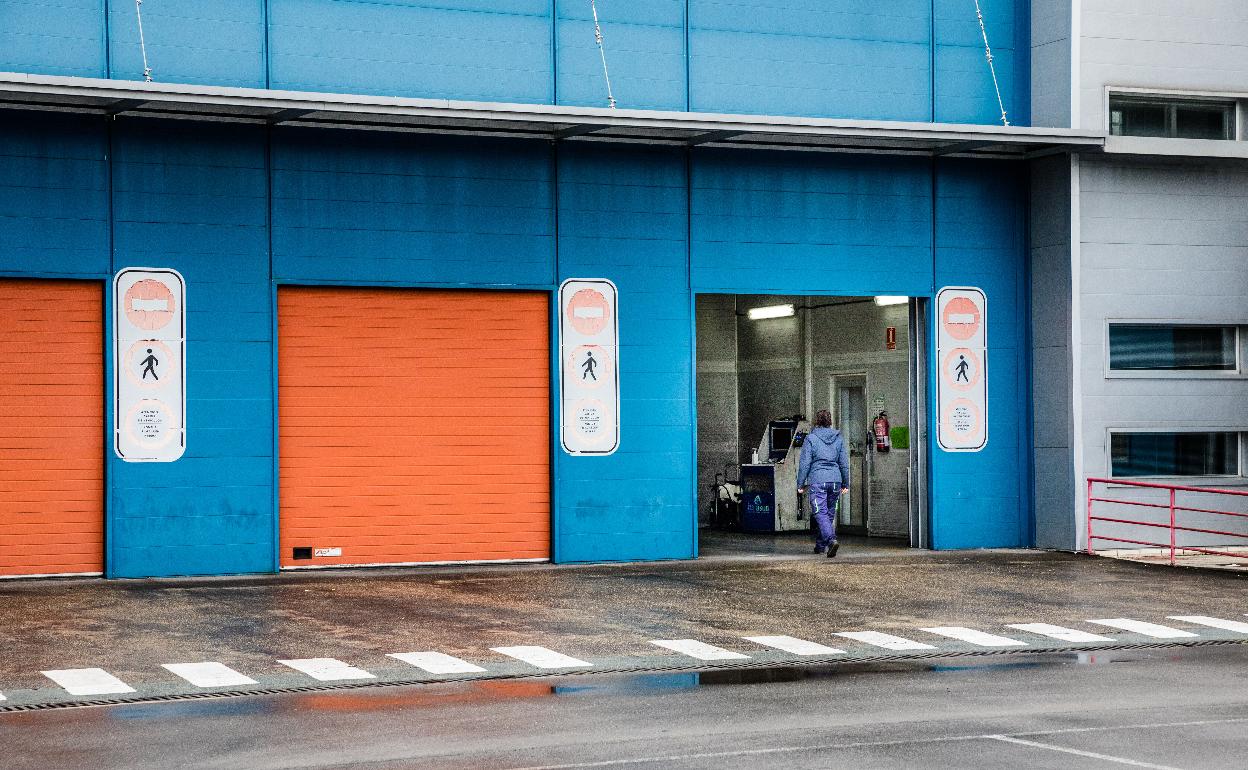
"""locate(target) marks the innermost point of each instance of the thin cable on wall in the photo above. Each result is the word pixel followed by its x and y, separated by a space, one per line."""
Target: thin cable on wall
pixel 138 12
pixel 603 53
pixel 992 67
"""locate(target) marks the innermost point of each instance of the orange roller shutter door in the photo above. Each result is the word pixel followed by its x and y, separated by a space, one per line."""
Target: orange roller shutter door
pixel 51 427
pixel 414 425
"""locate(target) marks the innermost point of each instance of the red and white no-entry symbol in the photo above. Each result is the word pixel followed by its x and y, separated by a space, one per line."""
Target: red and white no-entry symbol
pixel 150 304
pixel 962 353
pixel 589 312
pixel 962 318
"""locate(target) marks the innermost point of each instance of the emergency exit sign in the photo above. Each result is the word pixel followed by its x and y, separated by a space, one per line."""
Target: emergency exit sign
pixel 589 373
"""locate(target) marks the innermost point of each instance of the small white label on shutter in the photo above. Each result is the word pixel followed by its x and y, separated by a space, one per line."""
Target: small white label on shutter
pixel 327 552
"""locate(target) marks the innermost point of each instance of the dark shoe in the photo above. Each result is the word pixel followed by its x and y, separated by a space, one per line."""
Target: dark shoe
pixel 819 550
pixel 832 549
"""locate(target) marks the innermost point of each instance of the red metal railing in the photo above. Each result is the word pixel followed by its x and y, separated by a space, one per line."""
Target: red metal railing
pixel 1174 510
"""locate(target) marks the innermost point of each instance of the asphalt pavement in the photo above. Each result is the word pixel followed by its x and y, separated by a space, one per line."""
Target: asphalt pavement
pixel 1173 708
pixel 74 641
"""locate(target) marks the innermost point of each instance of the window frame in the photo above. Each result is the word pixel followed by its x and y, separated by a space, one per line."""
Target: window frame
pixel 1238 478
pixel 1170 103
pixel 1240 371
pixel 1237 99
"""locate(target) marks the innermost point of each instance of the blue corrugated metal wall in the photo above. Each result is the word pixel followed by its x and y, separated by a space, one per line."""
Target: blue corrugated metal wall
pixel 237 208
pixel 405 210
pixel 836 58
pixel 784 223
pixel 370 208
pixel 982 499
pixel 622 215
pixel 53 196
pixel 194 198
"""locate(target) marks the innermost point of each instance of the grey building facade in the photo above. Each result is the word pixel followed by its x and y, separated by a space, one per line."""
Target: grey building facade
pixel 1139 254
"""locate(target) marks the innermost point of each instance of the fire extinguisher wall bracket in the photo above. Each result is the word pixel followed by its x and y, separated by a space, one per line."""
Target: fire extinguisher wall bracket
pixel 880 428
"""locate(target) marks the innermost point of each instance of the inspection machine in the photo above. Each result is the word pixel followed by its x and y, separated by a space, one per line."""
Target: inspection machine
pixel 769 500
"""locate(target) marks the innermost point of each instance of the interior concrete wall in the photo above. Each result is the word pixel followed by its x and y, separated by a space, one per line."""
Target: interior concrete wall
pixel 771 379
pixel 850 339
pixel 717 393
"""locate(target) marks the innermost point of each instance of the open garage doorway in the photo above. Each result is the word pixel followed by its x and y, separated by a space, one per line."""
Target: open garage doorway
pixel 766 365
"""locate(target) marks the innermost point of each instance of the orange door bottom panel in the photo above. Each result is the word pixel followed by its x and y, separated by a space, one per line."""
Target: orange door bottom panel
pixel 414 425
pixel 51 427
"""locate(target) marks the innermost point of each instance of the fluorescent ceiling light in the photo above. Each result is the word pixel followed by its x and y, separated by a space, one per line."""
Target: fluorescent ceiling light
pixel 882 301
pixel 771 311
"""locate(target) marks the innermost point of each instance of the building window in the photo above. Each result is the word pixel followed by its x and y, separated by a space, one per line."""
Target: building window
pixel 1174 454
pixel 1170 347
pixel 1174 118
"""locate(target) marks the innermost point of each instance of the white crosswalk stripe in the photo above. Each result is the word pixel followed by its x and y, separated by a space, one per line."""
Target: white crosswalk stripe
pixel 2 696
pixel 208 674
pixel 794 645
pixel 978 638
pixel 700 650
pixel 1205 620
pixel 327 669
pixel 1060 632
pixel 88 681
pixel 542 657
pixel 887 641
pixel 436 662
pixel 1154 630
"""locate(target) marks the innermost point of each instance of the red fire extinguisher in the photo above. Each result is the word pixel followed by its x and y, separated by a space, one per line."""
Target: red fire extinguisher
pixel 879 427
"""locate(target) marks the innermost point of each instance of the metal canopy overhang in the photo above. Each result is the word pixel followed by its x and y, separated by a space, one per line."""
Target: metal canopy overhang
pixel 443 116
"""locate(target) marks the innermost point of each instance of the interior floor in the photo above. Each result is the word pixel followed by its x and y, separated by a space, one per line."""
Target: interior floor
pixel 737 545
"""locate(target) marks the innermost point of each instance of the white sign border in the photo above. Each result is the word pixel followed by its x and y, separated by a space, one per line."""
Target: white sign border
pixel 615 328
pixel 940 380
pixel 117 365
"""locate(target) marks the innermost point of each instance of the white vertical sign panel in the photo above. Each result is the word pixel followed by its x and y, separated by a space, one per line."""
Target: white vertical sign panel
pixel 149 364
pixel 962 369
pixel 589 373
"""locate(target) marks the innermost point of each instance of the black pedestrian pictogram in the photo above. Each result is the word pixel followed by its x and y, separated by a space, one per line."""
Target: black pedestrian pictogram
pixel 961 370
pixel 588 366
pixel 149 365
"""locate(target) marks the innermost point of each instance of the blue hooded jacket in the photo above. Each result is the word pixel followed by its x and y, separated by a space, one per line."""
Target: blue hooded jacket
pixel 824 459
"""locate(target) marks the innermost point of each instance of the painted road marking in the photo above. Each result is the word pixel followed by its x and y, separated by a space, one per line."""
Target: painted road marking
pixel 1140 627
pixel 436 662
pixel 208 674
pixel 887 641
pixel 1205 620
pixel 700 650
pixel 978 638
pixel 1060 632
pixel 1079 752
pixel 542 657
pixel 88 681
pixel 793 645
pixel 327 669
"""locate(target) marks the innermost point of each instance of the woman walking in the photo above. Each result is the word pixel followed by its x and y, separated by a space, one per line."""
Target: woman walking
pixel 824 471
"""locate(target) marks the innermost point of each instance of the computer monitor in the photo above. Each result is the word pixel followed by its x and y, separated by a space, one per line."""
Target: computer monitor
pixel 781 440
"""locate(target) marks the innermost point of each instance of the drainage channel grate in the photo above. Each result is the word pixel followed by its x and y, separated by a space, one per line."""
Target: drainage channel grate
pixel 692 667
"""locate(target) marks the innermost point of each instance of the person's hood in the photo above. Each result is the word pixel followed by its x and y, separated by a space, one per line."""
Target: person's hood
pixel 826 435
